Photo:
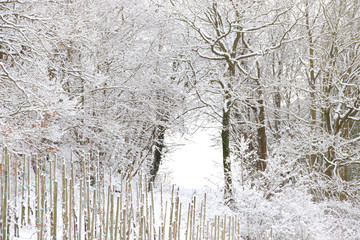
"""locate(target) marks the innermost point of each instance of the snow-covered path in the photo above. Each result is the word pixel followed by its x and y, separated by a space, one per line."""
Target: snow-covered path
pixel 196 164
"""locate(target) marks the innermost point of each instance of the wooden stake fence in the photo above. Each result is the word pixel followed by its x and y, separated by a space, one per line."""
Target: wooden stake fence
pixel 86 206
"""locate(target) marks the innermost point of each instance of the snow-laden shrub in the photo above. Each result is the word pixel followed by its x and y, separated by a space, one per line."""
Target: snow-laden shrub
pixel 285 199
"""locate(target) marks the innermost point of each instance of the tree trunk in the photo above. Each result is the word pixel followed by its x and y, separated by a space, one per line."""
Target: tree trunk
pixel 261 131
pixel 158 152
pixel 225 137
pixel 312 79
pixel 277 96
pixel 277 101
pixel 328 164
pixel 262 141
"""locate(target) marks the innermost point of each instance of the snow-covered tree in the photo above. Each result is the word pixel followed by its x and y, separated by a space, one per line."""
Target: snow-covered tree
pixel 233 33
pixel 31 101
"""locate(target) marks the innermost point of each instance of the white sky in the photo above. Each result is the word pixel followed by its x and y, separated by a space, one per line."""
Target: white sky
pixel 197 163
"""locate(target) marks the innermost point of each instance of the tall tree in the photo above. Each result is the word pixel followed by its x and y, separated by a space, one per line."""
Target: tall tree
pixel 228 32
pixel 331 66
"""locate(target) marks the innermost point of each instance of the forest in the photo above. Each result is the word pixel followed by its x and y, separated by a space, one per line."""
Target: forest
pixel 91 89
